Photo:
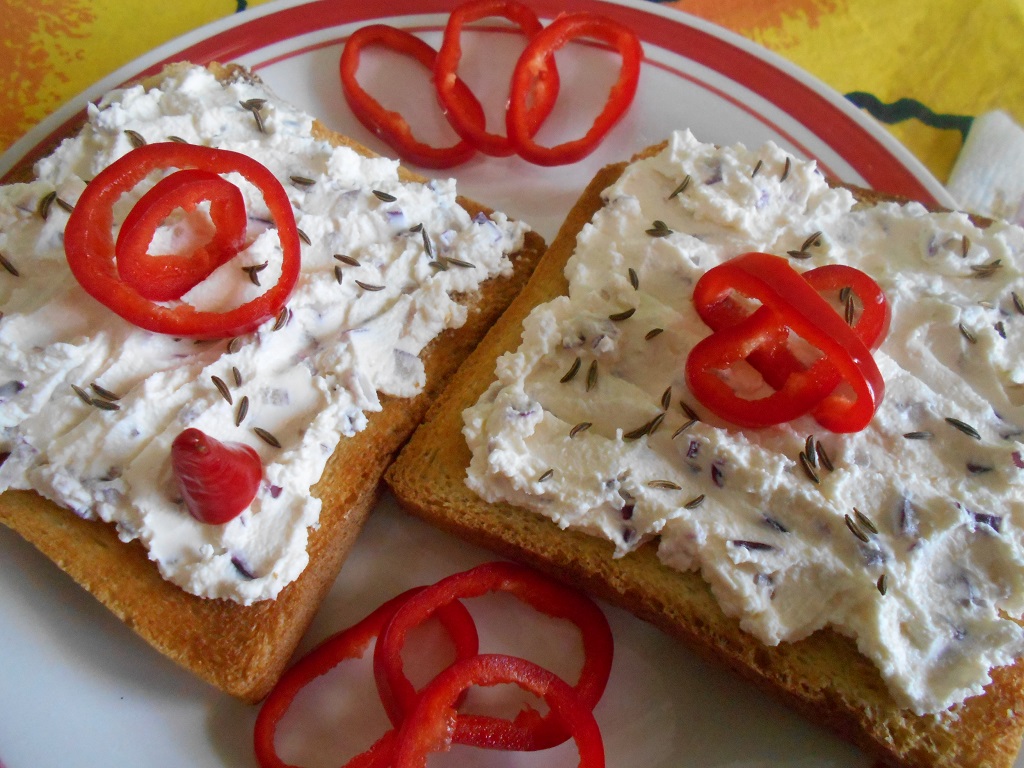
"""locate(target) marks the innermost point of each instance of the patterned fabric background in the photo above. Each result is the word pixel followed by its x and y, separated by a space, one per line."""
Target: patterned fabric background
pixel 949 58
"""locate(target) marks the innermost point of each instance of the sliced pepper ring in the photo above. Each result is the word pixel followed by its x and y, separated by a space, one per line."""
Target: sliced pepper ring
pixel 350 643
pixel 464 115
pixel 90 248
pixel 871 327
pixel 169 277
pixel 430 725
pixel 529 731
pixel 790 302
pixel 532 65
pixel 390 125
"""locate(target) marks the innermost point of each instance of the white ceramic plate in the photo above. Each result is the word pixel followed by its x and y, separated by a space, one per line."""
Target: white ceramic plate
pixel 77 688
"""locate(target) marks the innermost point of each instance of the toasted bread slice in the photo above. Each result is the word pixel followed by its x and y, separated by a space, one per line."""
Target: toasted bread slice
pixel 823 676
pixel 237 648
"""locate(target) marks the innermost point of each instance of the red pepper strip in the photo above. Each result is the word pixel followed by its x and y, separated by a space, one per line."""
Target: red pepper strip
pixel 789 302
pixel 871 327
pixel 529 731
pixel 873 324
pixel 429 726
pixel 462 114
pixel 169 277
pixel 89 242
pixel 776 361
pixel 350 643
pixel 389 125
pixel 532 66
pixel 380 755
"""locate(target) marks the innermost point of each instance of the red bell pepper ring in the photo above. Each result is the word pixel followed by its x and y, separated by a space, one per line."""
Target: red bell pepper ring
pixel 169 277
pixel 790 303
pixel 463 114
pixel 533 65
pixel 871 327
pixel 430 725
pixel 529 731
pixel 90 248
pixel 388 124
pixel 350 643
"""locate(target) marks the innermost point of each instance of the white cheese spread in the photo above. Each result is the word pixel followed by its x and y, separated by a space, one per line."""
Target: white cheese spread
pixel 910 542
pixel 354 329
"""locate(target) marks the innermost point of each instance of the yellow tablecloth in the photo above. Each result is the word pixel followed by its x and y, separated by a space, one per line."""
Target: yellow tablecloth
pixel 929 66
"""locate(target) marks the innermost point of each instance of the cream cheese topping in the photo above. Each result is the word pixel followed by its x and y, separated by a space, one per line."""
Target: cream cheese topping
pixel 309 381
pixel 910 541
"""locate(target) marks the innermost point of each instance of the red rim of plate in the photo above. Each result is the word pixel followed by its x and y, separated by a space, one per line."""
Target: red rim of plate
pixel 860 149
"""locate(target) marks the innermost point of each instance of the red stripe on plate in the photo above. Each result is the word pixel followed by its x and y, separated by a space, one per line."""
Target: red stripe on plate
pixel 835 126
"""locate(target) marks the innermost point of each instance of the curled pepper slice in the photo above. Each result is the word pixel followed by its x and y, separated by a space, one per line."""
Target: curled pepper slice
pixel 428 727
pixel 463 113
pixel 529 731
pixel 790 303
pixel 390 125
pixel 775 364
pixel 350 643
pixel 168 277
pixel 90 248
pixel 532 66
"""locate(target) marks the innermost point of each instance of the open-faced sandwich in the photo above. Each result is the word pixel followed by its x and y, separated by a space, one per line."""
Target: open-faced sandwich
pixel 198 447
pixel 779 419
